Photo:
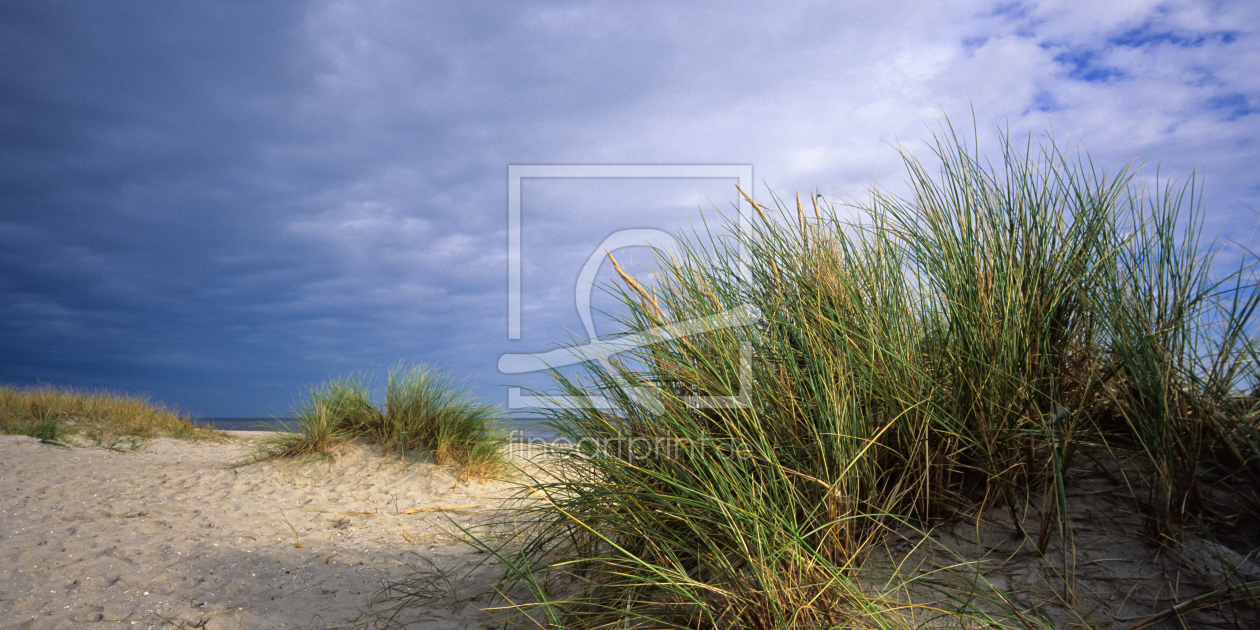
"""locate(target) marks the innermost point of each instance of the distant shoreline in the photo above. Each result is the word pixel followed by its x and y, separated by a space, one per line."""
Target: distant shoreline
pixel 245 424
pixel 524 430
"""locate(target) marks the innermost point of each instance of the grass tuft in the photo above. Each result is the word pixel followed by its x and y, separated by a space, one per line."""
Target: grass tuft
pixel 421 410
pixel 940 356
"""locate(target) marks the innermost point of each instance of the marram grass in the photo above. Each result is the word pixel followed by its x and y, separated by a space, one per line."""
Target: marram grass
pixel 51 413
pixel 421 409
pixel 937 356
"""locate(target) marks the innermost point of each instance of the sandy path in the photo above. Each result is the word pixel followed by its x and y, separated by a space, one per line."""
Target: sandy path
pixel 170 536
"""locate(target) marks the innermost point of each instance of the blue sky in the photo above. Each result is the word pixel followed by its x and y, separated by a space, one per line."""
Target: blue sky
pixel 220 204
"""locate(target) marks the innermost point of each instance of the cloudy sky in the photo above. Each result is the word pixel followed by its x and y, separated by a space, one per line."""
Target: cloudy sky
pixel 219 204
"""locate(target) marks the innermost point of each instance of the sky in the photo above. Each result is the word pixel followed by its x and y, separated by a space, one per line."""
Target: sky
pixel 219 205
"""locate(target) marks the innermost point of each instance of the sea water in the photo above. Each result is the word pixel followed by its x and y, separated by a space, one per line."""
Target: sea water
pixel 519 429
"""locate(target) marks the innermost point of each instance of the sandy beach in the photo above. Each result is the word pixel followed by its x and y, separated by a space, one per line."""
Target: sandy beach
pixel 171 535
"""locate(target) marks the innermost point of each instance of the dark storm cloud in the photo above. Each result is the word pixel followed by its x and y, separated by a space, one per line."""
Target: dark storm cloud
pixel 130 156
pixel 194 189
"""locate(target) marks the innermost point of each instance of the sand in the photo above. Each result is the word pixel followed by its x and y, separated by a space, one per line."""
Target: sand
pixel 1107 575
pixel 170 535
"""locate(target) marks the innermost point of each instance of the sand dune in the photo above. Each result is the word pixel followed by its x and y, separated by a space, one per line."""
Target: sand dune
pixel 171 536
